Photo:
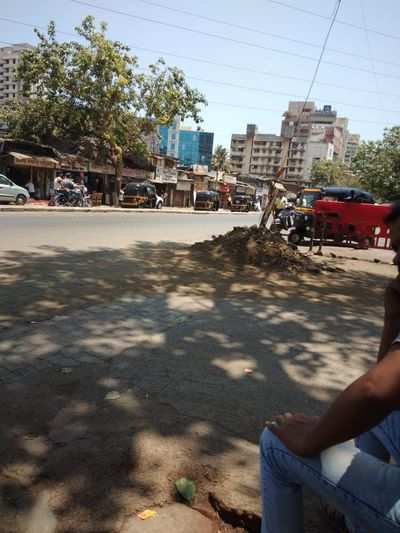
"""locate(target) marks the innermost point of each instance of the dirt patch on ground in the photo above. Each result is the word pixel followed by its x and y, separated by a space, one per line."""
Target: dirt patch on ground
pixel 259 247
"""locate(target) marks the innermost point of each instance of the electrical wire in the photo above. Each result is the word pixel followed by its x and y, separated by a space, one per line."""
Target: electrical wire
pixel 276 110
pixel 209 62
pixel 326 17
pixel 258 31
pixel 225 38
pixel 290 95
pixel 324 45
pixel 261 72
pixel 369 48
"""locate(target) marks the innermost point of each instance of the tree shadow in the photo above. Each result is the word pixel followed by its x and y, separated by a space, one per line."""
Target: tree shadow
pixel 124 370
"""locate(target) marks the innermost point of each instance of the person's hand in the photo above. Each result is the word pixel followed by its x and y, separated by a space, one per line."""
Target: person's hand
pixel 295 431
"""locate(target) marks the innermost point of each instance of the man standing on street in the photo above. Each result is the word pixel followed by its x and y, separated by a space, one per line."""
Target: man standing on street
pixel 318 452
pixel 30 187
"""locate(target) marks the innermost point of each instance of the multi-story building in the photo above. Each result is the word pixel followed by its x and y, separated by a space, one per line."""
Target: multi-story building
pixel 195 148
pixel 260 155
pixel 9 56
pixel 191 147
pixel 321 130
pixel 352 144
pixel 169 139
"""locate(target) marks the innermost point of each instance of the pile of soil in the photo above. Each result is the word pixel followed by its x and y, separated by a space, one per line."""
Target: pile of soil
pixel 260 247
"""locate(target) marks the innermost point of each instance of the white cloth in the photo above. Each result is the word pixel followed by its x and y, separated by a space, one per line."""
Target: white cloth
pixel 30 187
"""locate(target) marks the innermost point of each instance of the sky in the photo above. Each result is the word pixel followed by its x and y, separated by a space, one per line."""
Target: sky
pixel 272 48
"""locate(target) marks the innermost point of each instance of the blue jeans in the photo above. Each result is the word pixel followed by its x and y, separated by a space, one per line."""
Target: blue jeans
pixel 356 479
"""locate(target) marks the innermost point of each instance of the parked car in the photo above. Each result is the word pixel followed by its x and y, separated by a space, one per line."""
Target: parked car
pixel 140 195
pixel 12 193
pixel 207 201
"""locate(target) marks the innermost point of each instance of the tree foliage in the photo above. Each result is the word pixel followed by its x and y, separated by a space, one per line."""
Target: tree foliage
pixel 327 173
pixel 377 163
pixel 220 161
pixel 92 93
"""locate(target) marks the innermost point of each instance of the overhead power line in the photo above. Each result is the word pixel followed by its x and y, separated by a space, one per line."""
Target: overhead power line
pixel 225 38
pixel 290 95
pixel 275 110
pixel 236 26
pixel 369 47
pixel 261 72
pixel 324 45
pixel 249 88
pixel 210 62
pixel 339 21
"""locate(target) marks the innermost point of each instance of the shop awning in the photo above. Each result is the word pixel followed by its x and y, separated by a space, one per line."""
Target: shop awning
pixel 24 160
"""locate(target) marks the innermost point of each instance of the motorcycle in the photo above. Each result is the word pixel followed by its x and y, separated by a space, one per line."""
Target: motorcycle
pixel 70 198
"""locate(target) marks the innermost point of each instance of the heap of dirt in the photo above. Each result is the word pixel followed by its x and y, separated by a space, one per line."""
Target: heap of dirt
pixel 259 247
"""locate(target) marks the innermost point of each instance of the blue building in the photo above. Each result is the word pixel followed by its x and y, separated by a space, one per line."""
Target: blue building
pixel 169 139
pixel 190 147
pixel 195 147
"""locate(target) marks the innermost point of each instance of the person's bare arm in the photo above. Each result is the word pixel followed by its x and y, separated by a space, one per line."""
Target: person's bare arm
pixel 360 407
pixel 391 326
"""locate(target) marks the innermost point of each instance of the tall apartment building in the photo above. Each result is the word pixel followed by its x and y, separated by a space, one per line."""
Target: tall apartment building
pixel 9 57
pixel 321 130
pixel 352 144
pixel 191 147
pixel 260 155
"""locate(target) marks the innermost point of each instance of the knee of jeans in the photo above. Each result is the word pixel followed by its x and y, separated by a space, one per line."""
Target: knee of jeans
pixel 268 440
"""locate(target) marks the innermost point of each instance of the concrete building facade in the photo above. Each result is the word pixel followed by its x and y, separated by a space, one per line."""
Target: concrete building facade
pixel 321 131
pixel 10 88
pixel 352 144
pixel 260 155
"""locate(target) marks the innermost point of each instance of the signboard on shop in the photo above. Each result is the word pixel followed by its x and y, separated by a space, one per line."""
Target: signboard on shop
pixel 166 175
pixel 200 170
pixel 184 186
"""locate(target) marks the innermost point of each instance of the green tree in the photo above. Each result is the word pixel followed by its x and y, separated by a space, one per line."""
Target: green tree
pixel 92 93
pixel 221 162
pixel 377 163
pixel 326 173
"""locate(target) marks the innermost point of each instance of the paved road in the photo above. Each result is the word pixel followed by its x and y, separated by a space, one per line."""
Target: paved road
pixel 21 231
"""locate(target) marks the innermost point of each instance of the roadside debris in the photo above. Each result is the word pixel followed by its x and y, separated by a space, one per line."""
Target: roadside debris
pixel 260 247
pixel 186 489
pixel 145 515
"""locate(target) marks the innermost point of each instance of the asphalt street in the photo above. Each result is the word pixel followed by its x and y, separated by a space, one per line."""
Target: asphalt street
pixel 82 231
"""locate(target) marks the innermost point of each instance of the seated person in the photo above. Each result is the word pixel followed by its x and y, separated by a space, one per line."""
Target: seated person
pixel 357 478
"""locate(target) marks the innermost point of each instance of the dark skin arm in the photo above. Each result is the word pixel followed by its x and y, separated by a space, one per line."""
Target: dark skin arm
pixel 391 326
pixel 365 403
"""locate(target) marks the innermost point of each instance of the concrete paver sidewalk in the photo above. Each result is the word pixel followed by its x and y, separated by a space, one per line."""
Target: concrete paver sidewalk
pixel 106 407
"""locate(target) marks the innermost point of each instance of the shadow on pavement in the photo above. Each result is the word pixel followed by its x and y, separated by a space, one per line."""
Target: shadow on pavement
pixel 165 364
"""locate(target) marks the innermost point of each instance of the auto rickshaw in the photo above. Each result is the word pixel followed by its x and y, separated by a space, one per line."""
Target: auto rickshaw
pixel 207 201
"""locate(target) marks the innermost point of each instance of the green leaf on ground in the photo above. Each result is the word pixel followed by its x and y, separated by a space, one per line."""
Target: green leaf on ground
pixel 186 489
